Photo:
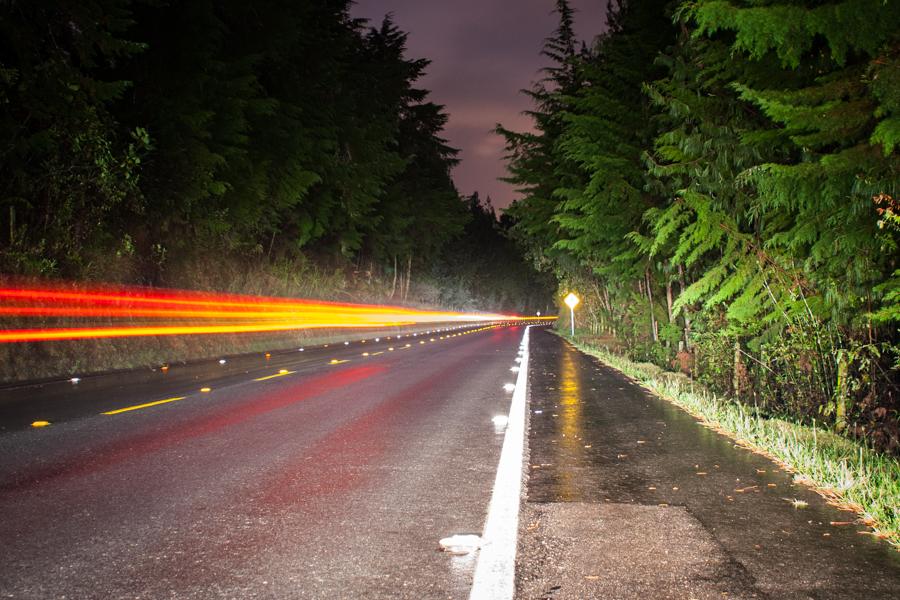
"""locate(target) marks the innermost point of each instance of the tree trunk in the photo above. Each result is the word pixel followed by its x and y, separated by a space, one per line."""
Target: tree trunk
pixel 612 328
pixel 669 305
pixel 394 284
pixel 271 243
pixel 408 277
pixel 654 326
pixel 841 392
pixel 686 312
pixel 738 374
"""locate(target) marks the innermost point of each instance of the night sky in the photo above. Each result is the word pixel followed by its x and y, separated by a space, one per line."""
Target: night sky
pixel 483 52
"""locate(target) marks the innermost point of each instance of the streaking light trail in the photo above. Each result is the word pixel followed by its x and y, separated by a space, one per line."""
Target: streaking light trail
pixel 134 312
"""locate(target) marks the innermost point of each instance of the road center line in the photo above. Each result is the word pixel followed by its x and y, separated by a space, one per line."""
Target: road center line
pixel 496 568
pixel 274 376
pixel 140 406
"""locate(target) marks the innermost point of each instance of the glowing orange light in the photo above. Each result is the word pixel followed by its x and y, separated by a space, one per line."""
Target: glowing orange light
pixel 178 312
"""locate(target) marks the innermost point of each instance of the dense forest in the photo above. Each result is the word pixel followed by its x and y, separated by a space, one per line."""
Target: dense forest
pixel 195 142
pixel 719 180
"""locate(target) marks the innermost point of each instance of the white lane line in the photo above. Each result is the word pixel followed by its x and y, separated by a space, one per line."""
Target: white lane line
pixel 495 572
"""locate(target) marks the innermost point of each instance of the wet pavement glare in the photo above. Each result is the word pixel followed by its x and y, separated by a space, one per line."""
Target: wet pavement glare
pixel 610 453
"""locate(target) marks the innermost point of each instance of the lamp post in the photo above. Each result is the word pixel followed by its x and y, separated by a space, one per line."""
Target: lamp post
pixel 572 301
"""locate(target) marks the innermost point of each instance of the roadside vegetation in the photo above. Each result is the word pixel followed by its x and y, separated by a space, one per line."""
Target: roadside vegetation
pixel 486 270
pixel 847 472
pixel 718 180
pixel 147 142
pixel 273 148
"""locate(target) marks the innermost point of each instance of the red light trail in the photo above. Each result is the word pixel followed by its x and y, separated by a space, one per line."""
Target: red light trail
pixel 180 312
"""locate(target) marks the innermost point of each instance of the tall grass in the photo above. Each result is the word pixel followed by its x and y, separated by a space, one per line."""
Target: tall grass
pixel 844 471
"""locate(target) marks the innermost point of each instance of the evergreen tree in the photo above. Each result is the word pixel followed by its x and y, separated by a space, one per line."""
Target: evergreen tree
pixel 533 158
pixel 67 171
pixel 838 110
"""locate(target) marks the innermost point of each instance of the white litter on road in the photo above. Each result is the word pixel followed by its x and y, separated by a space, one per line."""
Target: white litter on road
pixel 460 544
pixel 500 423
pixel 495 571
pixel 508 387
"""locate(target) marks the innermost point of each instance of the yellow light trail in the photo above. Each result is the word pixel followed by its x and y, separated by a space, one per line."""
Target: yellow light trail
pixel 178 312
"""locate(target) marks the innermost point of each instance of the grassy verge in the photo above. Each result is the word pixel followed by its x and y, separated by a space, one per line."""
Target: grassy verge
pixel 846 472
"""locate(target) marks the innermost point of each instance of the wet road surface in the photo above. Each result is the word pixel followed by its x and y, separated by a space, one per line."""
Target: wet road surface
pixel 630 497
pixel 323 474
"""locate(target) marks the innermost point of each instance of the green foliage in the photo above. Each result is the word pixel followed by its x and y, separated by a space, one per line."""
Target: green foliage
pixel 791 28
pixel 67 171
pixel 485 268
pixel 154 131
pixel 747 169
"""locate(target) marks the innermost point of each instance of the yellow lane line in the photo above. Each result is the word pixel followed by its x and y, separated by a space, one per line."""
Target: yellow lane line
pixel 377 353
pixel 335 361
pixel 147 405
pixel 279 374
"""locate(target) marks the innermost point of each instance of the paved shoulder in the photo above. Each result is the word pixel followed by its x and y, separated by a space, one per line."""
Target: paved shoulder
pixel 630 497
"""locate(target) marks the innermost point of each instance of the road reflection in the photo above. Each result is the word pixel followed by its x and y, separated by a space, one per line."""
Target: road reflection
pixel 570 426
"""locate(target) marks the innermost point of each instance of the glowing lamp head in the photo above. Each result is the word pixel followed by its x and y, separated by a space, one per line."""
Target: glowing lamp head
pixel 571 300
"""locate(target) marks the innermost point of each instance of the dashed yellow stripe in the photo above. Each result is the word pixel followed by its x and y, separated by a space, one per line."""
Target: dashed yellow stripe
pixel 279 374
pixel 147 405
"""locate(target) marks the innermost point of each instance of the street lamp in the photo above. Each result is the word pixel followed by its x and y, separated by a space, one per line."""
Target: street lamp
pixel 572 301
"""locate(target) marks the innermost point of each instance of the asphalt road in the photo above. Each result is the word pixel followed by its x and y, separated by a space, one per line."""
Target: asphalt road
pixel 334 472
pixel 328 473
pixel 630 497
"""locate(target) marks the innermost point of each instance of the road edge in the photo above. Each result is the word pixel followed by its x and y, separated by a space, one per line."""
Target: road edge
pixel 495 570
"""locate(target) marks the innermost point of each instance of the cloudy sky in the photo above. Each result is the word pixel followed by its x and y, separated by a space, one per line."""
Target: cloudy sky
pixel 483 52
